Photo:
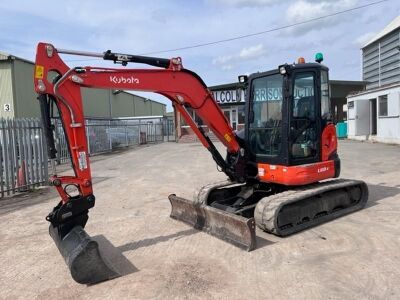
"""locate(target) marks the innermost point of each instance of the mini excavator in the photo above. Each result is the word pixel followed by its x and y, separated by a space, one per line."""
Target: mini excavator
pixel 280 168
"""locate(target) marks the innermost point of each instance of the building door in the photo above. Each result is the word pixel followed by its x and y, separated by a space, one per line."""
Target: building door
pixel 362 118
pixel 373 116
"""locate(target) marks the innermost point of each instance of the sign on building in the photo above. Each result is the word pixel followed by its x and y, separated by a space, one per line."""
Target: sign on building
pixel 229 96
pixel 7 107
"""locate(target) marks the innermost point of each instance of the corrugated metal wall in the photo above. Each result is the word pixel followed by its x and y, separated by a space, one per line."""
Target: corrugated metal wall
pixel 98 103
pixel 381 61
pixel 95 102
pixel 6 94
pixel 122 105
pixel 26 104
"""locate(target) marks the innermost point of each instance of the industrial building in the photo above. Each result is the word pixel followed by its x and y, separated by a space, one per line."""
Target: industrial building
pixel 373 114
pixel 18 98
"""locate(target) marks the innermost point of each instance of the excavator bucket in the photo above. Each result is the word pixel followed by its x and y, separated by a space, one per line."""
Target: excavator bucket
pixel 234 229
pixel 82 256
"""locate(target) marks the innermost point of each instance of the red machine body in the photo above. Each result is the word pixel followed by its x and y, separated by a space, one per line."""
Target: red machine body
pixel 287 142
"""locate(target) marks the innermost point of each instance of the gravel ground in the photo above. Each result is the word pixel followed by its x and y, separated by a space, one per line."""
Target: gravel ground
pixel 354 257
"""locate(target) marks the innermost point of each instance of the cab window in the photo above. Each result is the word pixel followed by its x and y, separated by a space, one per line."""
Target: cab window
pixel 303 127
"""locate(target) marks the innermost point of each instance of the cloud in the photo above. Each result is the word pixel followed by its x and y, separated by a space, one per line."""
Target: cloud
pixel 304 10
pixel 153 25
pixel 221 60
pixel 363 39
pixel 227 62
pixel 246 3
pixel 252 52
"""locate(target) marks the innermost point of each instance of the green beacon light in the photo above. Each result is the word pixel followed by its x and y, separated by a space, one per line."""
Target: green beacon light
pixel 319 57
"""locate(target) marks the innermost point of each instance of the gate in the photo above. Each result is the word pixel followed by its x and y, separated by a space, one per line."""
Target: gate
pixel 23 155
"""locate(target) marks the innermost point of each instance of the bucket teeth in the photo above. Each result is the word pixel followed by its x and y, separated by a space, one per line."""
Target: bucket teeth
pixel 234 229
pixel 82 256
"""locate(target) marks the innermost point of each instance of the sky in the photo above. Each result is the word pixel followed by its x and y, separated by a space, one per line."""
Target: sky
pixel 151 26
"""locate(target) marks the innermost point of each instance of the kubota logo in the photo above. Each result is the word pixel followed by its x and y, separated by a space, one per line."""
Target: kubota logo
pixel 122 79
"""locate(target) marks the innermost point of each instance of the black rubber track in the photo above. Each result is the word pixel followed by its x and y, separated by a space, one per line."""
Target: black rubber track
pixel 268 209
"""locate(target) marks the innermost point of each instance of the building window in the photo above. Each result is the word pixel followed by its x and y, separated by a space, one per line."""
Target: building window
pixel 241 114
pixel 383 106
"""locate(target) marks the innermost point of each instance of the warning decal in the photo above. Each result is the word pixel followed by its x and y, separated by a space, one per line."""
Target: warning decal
pixel 39 70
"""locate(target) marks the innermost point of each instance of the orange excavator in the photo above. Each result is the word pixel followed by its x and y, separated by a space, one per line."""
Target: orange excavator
pixel 277 166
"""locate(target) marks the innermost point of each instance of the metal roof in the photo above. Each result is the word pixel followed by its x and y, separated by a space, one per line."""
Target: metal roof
pixel 7 56
pixel 347 82
pixel 236 85
pixel 373 90
pixel 4 56
pixel 224 87
pixel 389 28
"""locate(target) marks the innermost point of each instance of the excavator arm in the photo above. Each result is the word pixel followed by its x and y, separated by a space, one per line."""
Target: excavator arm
pixel 183 87
pixel 55 82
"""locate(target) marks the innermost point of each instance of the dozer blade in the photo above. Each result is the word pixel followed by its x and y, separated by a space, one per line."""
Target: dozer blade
pixel 82 256
pixel 234 229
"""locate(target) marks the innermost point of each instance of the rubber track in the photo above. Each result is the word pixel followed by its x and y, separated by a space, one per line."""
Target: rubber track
pixel 200 195
pixel 268 208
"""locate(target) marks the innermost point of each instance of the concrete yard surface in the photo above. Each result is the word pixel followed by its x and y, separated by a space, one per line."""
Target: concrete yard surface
pixel 354 257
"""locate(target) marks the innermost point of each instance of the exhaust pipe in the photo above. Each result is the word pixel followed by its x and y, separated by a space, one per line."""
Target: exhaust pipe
pixel 82 256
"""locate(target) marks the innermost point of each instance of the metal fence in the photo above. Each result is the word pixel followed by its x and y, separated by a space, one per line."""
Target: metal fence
pixel 169 130
pixel 106 135
pixel 23 152
pixel 23 155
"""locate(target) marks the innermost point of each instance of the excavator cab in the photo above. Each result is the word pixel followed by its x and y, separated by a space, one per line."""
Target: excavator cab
pixel 290 149
pixel 288 110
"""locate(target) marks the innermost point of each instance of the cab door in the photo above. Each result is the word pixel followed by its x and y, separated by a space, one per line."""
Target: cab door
pixel 304 118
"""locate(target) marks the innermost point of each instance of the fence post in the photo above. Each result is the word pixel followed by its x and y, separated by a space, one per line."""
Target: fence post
pixel 12 149
pixel 126 135
pixel 87 135
pixel 45 161
pixel 58 141
pixel 109 134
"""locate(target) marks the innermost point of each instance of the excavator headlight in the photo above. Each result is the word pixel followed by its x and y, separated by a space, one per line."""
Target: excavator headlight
pixel 283 70
pixel 243 78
